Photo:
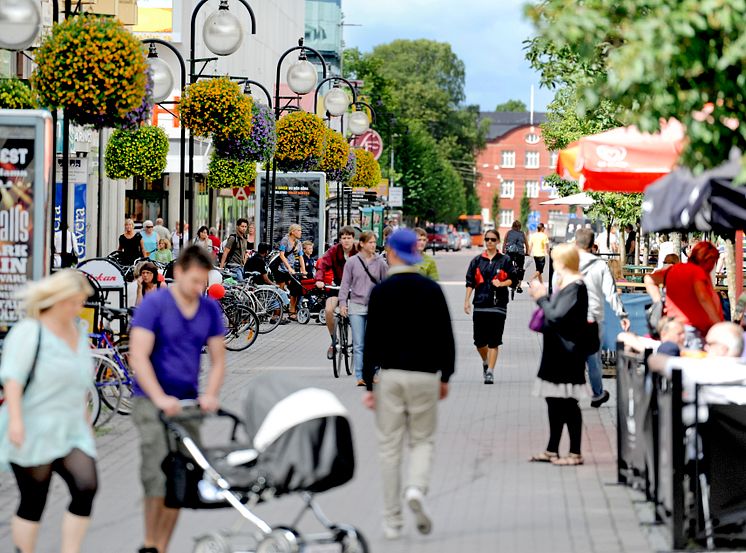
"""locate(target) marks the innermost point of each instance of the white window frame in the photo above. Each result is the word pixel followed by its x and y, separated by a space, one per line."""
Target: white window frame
pixel 532 138
pixel 507 188
pixel 506 218
pixel 532 188
pixel 507 159
pixel 533 159
pixel 553 157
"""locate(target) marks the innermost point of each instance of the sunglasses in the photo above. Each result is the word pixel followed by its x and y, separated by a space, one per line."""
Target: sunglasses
pixel 490 239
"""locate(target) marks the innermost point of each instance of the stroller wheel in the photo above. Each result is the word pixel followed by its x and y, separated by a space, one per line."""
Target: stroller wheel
pixel 303 315
pixel 354 542
pixel 212 543
pixel 280 540
pixel 322 317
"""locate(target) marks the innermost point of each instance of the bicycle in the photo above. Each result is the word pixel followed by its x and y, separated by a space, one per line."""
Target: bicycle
pixel 343 345
pixel 117 353
pixel 241 322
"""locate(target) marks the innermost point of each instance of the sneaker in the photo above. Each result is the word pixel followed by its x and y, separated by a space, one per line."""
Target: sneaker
pixel 330 351
pixel 599 401
pixel 391 532
pixel 519 290
pixel 361 382
pixel 489 377
pixel 416 501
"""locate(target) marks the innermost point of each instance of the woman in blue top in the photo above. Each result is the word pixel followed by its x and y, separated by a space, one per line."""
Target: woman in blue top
pixel 290 247
pixel 45 427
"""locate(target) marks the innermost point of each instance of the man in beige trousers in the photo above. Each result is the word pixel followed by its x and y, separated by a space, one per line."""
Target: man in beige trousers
pixel 412 378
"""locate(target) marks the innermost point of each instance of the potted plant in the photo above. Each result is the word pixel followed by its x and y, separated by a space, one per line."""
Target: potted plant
pixel 300 141
pixel 261 143
pixel 216 107
pixel 230 173
pixel 137 153
pixel 15 94
pixel 91 67
pixel 367 170
pixel 336 154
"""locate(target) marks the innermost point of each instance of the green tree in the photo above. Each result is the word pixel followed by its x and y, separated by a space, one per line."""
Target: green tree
pixel 496 208
pixel 655 60
pixel 512 106
pixel 525 208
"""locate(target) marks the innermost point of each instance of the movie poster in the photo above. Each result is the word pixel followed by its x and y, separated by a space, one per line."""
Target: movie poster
pixel 16 221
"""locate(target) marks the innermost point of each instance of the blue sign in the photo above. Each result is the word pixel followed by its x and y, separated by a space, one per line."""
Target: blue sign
pixel 534 218
pixel 79 221
pixel 77 177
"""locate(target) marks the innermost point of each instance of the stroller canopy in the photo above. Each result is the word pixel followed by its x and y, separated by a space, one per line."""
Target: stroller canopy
pixel 302 435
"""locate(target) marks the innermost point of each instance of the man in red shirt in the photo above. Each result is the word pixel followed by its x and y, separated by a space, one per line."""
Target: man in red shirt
pixel 690 296
pixel 334 260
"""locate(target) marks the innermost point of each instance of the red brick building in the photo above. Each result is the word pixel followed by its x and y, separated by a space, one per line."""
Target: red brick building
pixel 515 160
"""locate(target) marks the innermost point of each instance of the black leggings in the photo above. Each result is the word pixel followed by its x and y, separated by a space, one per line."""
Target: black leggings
pixel 564 411
pixel 77 469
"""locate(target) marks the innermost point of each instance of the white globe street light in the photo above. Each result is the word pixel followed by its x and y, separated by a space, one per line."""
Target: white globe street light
pixel 358 122
pixel 302 76
pixel 336 101
pixel 163 77
pixel 19 24
pixel 222 32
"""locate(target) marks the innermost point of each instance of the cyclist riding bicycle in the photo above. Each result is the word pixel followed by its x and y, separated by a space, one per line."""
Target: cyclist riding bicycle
pixel 334 260
pixel 516 246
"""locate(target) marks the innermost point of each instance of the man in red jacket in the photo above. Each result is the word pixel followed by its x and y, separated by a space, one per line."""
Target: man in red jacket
pixel 334 260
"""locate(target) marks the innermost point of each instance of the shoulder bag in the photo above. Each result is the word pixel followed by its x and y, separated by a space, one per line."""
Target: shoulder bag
pixel 33 366
pixel 367 272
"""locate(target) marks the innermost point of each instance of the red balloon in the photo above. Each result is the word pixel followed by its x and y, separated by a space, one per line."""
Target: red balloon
pixel 216 291
pixel 502 276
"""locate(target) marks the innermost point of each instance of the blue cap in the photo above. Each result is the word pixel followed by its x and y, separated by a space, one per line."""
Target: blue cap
pixel 404 243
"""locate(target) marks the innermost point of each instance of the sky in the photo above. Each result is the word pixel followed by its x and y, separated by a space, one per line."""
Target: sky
pixel 487 35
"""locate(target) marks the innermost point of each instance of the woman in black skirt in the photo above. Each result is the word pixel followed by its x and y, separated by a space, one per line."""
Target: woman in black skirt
pixel 561 378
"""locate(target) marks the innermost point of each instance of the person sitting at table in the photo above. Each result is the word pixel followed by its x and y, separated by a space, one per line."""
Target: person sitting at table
pixel 671 341
pixel 690 295
pixel 722 365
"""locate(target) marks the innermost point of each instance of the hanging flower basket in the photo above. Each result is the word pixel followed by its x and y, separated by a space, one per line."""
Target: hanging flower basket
pixel 230 173
pixel 92 68
pixel 260 146
pixel 300 141
pixel 336 154
pixel 216 107
pixel 137 153
pixel 344 175
pixel 15 94
pixel 367 170
pixel 140 115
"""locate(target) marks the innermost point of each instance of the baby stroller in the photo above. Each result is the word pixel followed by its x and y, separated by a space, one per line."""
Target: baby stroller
pixel 300 442
pixel 313 299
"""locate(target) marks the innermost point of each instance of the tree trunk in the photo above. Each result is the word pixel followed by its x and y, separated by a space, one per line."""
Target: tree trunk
pixel 730 269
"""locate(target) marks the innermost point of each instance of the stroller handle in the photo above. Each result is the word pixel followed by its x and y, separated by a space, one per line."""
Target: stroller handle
pixel 191 406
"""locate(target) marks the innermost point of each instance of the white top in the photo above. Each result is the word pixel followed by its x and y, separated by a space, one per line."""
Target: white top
pixel 664 249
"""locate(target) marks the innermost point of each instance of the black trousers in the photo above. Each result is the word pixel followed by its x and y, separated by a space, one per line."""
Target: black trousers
pixel 564 411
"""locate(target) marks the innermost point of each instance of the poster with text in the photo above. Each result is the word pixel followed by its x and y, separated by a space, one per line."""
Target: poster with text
pixel 17 204
pixel 77 177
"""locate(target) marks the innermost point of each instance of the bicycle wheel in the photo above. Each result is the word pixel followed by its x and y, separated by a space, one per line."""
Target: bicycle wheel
pixel 109 387
pixel 347 349
pixel 243 330
pixel 93 405
pixel 121 358
pixel 268 309
pixel 336 360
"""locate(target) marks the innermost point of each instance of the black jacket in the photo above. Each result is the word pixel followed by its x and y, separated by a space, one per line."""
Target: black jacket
pixel 482 271
pixel 408 328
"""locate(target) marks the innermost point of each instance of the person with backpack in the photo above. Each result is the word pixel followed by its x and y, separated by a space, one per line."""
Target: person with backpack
pixel 516 246
pixel 235 252
pixel 44 428
pixel 360 275
pixel 489 276
pixel 601 286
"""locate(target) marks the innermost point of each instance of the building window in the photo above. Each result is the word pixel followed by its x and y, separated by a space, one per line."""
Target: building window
pixel 532 188
pixel 506 217
pixel 488 185
pixel 485 165
pixel 554 213
pixel 532 138
pixel 507 189
pixel 532 160
pixel 553 157
pixel 508 159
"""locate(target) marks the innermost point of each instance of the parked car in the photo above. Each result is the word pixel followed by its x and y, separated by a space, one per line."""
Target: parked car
pixel 454 241
pixel 437 237
pixel 465 240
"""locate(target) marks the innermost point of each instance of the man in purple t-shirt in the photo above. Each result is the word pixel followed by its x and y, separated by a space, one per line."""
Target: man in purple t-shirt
pixel 169 330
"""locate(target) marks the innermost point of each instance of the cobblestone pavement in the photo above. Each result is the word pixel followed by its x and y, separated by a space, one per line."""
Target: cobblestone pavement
pixel 484 497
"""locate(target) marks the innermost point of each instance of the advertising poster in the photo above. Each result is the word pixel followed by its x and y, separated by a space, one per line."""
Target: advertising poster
pixel 366 219
pixel 78 178
pixel 17 203
pixel 299 198
pixel 378 223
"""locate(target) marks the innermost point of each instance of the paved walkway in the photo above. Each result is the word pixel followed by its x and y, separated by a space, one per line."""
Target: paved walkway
pixel 485 496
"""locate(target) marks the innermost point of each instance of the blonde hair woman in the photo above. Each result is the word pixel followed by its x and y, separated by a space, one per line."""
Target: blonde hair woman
pixel 561 378
pixel 289 249
pixel 46 372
